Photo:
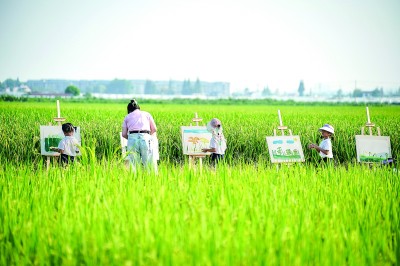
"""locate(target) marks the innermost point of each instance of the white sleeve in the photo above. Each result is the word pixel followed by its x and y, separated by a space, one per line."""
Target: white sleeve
pixel 61 145
pixel 213 144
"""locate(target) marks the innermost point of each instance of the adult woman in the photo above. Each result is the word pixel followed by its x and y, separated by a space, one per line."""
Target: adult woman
pixel 138 127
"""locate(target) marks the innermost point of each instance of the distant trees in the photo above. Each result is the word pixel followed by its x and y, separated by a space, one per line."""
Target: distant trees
pixel 197 86
pixel 121 86
pixel 71 89
pixel 301 88
pixel 10 83
pixel 266 92
pixel 186 88
pixel 377 92
pixel 339 93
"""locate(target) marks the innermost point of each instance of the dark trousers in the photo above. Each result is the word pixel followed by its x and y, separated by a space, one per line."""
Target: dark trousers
pixel 216 157
pixel 66 159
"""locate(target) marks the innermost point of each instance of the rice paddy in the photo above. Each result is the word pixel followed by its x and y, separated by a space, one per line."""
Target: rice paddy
pixel 247 211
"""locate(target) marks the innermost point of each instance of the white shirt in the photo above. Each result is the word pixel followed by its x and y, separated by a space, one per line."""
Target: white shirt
pixel 69 145
pixel 220 146
pixel 326 144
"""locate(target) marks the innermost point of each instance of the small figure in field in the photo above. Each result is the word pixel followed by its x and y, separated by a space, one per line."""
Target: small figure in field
pixel 218 141
pixel 68 146
pixel 325 147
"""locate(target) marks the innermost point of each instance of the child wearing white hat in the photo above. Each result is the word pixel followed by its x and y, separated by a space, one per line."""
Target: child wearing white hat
pixel 325 147
pixel 218 141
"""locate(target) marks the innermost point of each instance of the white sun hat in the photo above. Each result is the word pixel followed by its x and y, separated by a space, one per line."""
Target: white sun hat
pixel 214 123
pixel 327 128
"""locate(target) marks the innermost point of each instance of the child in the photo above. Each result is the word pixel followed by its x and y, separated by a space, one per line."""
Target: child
pixel 68 146
pixel 325 147
pixel 218 141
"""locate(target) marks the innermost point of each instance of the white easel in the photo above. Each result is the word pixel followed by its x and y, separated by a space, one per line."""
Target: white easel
pixel 59 121
pixel 192 158
pixel 297 153
pixel 370 125
pixel 281 127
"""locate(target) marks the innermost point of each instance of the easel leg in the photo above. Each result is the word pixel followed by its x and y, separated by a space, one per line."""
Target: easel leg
pixel 190 161
pixel 47 162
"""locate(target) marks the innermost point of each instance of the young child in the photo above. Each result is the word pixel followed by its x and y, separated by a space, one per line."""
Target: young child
pixel 218 141
pixel 68 146
pixel 325 147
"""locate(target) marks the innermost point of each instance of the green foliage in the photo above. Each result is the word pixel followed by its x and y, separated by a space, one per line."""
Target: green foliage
pixel 103 214
pixel 11 83
pixel 357 93
pixel 71 89
pixel 11 98
pixel 245 126
pixel 245 212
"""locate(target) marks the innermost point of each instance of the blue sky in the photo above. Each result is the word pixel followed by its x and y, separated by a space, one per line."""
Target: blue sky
pixel 249 43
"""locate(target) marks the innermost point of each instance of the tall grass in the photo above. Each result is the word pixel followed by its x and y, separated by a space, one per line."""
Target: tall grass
pixel 245 127
pixel 237 215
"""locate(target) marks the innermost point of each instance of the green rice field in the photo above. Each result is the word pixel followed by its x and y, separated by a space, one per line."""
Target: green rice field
pixel 247 211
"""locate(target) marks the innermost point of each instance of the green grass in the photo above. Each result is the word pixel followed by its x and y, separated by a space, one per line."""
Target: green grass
pixel 246 212
pixel 240 215
pixel 245 127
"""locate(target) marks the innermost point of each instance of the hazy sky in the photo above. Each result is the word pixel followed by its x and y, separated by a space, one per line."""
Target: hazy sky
pixel 249 43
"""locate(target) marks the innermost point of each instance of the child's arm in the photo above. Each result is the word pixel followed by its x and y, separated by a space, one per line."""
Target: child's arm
pixel 55 149
pixel 209 150
pixel 318 148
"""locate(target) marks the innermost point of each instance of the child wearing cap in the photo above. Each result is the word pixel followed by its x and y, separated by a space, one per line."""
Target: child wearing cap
pixel 218 141
pixel 325 147
pixel 68 146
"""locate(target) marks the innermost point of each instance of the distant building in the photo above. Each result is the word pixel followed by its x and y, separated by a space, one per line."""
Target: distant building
pixel 171 87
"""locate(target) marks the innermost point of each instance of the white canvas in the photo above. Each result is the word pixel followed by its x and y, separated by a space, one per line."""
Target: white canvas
pixel 194 139
pixel 50 136
pixel 285 149
pixel 372 149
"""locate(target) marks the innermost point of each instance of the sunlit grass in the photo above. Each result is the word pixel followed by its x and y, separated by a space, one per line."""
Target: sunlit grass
pixel 105 214
pixel 245 212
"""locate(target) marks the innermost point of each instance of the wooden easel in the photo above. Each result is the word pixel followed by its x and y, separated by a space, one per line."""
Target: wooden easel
pixel 59 121
pixel 370 125
pixel 200 157
pixel 281 127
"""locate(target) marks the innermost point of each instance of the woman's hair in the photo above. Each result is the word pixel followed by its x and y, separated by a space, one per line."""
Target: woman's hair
pixel 132 106
pixel 67 128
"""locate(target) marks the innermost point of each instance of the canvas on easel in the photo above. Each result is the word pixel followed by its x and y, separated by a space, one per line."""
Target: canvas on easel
pixel 50 136
pixel 370 148
pixel 284 149
pixel 373 149
pixel 194 139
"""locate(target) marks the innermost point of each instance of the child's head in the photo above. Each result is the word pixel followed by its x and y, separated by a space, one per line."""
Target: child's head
pixel 68 129
pixel 132 106
pixel 327 130
pixel 214 125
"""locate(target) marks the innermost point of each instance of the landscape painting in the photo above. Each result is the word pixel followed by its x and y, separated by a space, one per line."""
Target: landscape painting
pixel 50 136
pixel 194 139
pixel 284 149
pixel 373 149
